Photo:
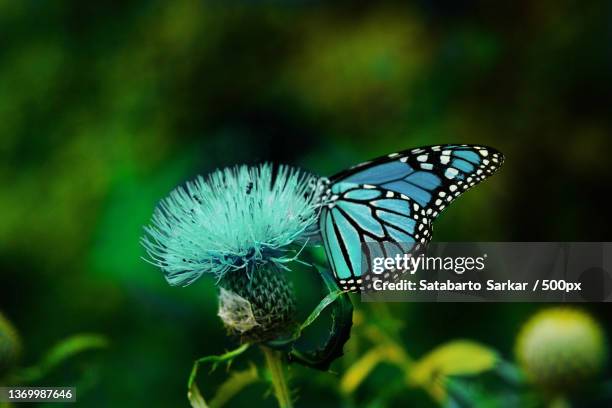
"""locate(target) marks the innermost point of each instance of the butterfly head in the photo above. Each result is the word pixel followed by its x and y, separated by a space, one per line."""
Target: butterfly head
pixel 320 189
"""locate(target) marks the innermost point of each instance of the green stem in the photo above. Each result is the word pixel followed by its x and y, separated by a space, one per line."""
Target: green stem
pixel 279 381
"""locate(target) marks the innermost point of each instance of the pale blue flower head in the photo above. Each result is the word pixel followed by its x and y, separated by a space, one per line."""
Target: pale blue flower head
pixel 239 218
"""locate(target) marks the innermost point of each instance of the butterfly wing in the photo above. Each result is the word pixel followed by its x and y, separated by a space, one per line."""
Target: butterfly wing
pixel 394 199
pixel 433 176
pixel 357 215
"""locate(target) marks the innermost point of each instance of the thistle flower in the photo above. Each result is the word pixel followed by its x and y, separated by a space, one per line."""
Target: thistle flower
pixel 240 226
pixel 10 345
pixel 561 347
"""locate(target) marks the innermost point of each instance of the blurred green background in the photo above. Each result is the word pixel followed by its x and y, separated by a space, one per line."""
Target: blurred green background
pixel 107 106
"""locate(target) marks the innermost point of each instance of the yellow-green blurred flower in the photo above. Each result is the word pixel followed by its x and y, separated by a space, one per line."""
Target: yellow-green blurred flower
pixel 561 347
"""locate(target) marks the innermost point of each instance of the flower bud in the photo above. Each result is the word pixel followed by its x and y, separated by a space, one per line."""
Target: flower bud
pixel 560 348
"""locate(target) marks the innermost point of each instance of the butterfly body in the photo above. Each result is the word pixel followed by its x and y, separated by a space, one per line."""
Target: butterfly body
pixel 392 201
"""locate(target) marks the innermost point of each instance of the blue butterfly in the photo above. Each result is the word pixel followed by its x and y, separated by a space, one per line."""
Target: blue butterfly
pixel 394 200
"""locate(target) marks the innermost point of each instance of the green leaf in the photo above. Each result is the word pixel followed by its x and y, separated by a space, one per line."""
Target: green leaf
pixel 214 360
pixel 386 351
pixel 285 344
pixel 72 346
pixel 464 392
pixel 327 300
pixel 357 372
pixel 459 395
pixel 237 381
pixel 340 332
pixel 510 373
pixel 195 397
pixel 61 352
pixel 459 357
pixel 193 392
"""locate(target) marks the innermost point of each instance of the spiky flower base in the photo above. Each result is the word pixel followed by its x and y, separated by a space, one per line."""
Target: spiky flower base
pixel 258 306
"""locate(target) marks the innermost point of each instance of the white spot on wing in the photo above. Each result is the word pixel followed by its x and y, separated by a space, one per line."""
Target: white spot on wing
pixel 426 166
pixel 451 173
